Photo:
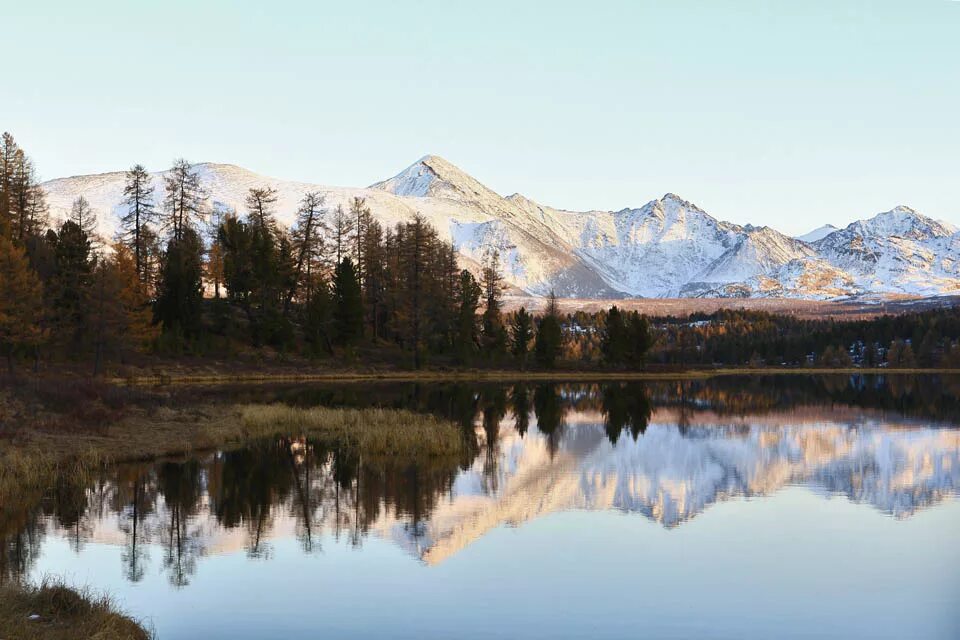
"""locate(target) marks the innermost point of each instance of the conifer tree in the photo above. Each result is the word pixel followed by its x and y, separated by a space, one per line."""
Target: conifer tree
pixel 83 215
pixel 318 320
pixel 360 217
pixel 615 342
pixel 521 335
pixel 23 207
pixel 308 244
pixel 21 303
pixel 348 304
pixel 70 283
pixel 494 333
pixel 180 294
pixel 261 203
pixel 341 230
pixel 184 200
pixel 141 212
pixel 468 301
pixel 549 341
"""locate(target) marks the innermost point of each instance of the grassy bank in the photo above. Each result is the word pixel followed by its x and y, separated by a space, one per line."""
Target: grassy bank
pixel 495 375
pixel 53 611
pixel 34 455
pixel 376 432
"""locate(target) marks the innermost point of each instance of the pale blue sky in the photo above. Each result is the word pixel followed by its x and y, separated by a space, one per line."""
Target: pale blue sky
pixel 790 114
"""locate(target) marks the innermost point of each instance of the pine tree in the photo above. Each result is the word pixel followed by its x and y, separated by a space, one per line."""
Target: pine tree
pixel 21 303
pixel 184 199
pixel 141 212
pixel 348 304
pixel 521 335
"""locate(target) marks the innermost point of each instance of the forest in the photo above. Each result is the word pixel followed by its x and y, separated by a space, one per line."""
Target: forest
pixel 184 278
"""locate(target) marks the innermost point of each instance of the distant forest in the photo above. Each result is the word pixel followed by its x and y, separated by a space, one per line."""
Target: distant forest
pixel 185 279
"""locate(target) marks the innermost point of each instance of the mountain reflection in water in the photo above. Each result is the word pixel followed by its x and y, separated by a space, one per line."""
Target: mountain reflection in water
pixel 664 451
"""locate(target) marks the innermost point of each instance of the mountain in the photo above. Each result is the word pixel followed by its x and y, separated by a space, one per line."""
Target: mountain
pixel 669 247
pixel 898 251
pixel 818 233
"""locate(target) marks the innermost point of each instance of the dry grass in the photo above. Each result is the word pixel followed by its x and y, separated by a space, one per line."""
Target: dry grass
pixel 375 432
pixel 63 614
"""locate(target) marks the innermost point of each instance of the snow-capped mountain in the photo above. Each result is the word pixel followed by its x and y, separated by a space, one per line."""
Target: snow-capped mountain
pixel 668 247
pixel 818 233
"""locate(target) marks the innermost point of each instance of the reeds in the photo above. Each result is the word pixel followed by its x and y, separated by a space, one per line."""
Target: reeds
pixel 377 432
pixel 54 611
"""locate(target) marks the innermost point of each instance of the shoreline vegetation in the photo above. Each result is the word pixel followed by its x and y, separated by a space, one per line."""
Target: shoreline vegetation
pixel 54 611
pixel 505 375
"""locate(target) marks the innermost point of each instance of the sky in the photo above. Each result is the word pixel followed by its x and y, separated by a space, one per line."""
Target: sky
pixel 789 114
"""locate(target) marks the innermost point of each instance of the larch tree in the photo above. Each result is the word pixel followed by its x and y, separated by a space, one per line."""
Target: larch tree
pixel 308 237
pixel 342 231
pixel 494 332
pixel 261 205
pixel 141 213
pixel 21 303
pixel 83 215
pixel 184 199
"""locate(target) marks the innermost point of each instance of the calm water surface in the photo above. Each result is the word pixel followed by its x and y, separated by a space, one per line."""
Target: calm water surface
pixel 801 507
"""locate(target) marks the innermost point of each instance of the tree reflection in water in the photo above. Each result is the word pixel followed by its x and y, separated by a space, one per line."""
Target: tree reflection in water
pixel 589 434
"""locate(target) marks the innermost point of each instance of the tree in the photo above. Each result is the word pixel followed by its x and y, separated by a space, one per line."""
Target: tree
pixel 70 283
pixel 180 294
pixel 521 335
pixel 468 301
pixel 83 215
pixel 549 334
pixel 900 355
pixel 494 333
pixel 348 304
pixel 23 207
pixel 21 302
pixel 184 199
pixel 318 320
pixel 308 243
pixel 638 328
pixel 341 231
pixel 615 343
pixel 360 217
pixel 138 198
pixel 120 315
pixel 260 208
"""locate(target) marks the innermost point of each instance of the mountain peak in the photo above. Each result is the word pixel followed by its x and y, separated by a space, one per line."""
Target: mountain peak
pixel 433 176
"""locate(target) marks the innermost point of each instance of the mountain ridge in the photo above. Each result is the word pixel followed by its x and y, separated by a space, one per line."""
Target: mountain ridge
pixel 668 247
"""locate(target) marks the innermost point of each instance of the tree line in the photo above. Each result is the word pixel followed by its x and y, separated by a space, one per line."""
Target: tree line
pixel 183 276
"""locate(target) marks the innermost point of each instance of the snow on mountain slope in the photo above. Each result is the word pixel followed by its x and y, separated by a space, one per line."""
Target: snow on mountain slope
pixel 818 233
pixel 897 251
pixel 666 248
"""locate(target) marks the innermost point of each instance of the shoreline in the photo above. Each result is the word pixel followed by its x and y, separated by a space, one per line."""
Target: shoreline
pixel 500 375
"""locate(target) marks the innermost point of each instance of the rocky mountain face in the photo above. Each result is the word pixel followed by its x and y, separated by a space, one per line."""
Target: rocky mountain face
pixel 667 248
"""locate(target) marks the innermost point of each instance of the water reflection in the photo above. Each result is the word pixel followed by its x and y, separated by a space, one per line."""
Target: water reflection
pixel 665 451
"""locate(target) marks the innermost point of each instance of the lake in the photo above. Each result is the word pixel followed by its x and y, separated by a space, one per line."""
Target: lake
pixel 736 507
